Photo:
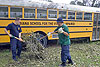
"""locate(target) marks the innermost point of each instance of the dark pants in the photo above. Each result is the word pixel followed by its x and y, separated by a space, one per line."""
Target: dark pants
pixel 14 43
pixel 65 53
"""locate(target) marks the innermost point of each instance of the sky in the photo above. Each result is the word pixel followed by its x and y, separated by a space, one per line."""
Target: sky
pixel 59 1
pixel 62 1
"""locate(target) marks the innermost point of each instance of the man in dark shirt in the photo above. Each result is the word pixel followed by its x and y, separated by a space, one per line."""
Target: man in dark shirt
pixel 15 30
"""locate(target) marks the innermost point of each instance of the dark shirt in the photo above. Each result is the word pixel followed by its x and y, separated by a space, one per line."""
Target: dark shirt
pixel 14 29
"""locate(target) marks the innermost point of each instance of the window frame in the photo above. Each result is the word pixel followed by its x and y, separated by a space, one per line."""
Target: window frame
pixel 82 15
pixel 91 16
pixel 65 11
pixel 16 7
pixel 52 10
pixel 43 9
pixel 7 11
pixel 24 13
pixel 68 15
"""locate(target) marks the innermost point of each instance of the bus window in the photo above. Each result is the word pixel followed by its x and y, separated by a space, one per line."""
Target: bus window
pixel 29 13
pixel 79 16
pixel 41 13
pixel 3 11
pixel 16 12
pixel 71 15
pixel 52 14
pixel 95 19
pixel 99 19
pixel 87 16
pixel 62 14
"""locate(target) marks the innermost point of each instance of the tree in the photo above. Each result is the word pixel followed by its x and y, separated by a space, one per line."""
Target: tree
pixel 79 3
pixel 49 0
pixel 91 3
pixel 72 3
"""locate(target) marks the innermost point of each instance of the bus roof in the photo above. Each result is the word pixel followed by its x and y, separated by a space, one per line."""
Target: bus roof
pixel 82 8
pixel 44 4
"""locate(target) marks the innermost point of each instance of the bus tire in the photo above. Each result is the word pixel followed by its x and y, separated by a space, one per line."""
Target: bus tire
pixel 87 40
pixel 43 41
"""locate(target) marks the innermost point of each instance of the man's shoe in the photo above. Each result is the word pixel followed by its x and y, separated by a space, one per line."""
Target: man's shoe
pixel 19 57
pixel 63 64
pixel 15 59
pixel 70 62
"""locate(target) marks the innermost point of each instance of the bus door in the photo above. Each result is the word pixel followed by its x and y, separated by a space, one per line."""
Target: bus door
pixel 96 27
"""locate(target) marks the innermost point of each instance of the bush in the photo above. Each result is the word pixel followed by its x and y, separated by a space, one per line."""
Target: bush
pixel 34 46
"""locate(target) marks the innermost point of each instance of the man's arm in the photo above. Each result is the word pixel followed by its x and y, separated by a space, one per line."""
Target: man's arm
pixel 65 33
pixel 55 31
pixel 7 32
pixel 8 28
pixel 20 32
pixel 19 35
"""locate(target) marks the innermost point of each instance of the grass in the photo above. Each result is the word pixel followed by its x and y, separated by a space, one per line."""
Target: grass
pixel 83 55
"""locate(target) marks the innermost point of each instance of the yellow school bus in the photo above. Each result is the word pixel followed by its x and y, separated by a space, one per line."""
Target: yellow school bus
pixel 83 22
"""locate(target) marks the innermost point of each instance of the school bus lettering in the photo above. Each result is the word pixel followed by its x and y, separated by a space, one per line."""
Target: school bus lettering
pixel 24 23
pixel 35 23
pixel 70 23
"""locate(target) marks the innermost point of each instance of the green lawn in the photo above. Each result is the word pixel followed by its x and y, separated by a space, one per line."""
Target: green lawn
pixel 83 55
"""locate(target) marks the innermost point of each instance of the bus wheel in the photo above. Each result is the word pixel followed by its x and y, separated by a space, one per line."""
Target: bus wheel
pixel 87 40
pixel 44 40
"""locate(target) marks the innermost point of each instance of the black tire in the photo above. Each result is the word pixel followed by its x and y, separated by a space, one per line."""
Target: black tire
pixel 44 40
pixel 87 40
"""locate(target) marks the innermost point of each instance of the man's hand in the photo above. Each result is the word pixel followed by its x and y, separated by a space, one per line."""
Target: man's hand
pixel 60 30
pixel 20 39
pixel 49 34
pixel 10 35
pixel 66 33
pixel 52 32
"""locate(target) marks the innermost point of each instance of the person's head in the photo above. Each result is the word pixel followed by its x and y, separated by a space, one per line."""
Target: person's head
pixel 60 21
pixel 17 21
